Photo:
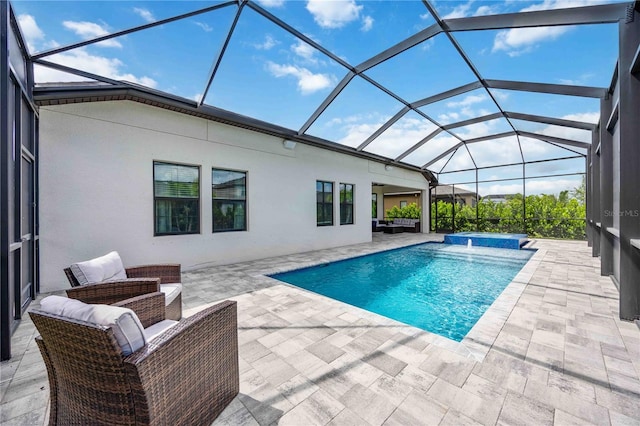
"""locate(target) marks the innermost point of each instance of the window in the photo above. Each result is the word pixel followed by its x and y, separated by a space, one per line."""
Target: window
pixel 229 192
pixel 346 204
pixel 324 202
pixel 176 197
pixel 403 204
pixel 374 205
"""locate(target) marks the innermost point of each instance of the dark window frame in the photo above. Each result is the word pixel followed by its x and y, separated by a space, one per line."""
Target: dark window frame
pixel 320 205
pixel 229 200
pixel 344 203
pixel 156 198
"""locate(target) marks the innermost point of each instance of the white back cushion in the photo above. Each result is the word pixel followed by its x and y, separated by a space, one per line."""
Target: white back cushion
pixel 105 268
pixel 171 291
pixel 125 324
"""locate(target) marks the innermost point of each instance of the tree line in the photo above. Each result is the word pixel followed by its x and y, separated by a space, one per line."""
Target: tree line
pixel 544 215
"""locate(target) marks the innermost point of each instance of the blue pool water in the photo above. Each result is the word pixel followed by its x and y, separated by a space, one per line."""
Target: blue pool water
pixel 437 287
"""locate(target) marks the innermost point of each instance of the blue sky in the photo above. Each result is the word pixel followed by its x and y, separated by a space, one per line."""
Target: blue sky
pixel 269 74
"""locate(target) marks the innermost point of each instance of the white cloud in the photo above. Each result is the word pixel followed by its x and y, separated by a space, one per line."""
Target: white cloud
pixel 459 11
pixel 497 152
pixel 144 14
pixel 449 117
pixel 356 133
pixel 206 27
pixel 587 117
pixel 475 104
pixel 30 30
pixel 308 82
pixel 271 3
pixel 350 119
pixel 534 186
pixel 518 41
pixel 303 50
pixel 405 133
pixel 486 10
pixel 460 160
pixel 494 152
pixel 77 58
pixel 268 43
pixel 428 44
pixel 367 23
pixel 570 132
pixel 465 9
pixel 82 60
pixel 534 149
pixel 335 13
pixel 501 95
pixel 560 4
pixel 580 81
pixel 88 30
pixel 482 128
pixel 197 97
pixel 467 101
pixel 431 150
pixel 542 149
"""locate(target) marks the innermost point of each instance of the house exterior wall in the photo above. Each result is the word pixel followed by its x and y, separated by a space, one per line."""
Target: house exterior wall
pixel 96 188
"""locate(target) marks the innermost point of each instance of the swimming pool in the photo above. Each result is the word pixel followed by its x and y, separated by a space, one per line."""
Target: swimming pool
pixel 437 287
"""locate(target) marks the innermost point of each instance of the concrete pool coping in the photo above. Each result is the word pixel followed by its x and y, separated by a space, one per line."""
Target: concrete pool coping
pixel 480 338
pixel 485 332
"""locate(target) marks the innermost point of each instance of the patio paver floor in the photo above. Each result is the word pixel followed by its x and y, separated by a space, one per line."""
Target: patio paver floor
pixel 551 350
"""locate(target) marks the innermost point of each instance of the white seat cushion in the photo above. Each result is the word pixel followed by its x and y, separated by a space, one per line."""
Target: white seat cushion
pixel 105 268
pixel 157 329
pixel 171 291
pixel 125 324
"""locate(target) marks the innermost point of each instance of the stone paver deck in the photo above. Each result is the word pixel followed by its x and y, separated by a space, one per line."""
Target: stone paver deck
pixel 550 350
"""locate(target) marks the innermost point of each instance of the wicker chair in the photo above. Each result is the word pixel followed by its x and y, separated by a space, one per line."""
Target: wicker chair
pixel 185 376
pixel 140 280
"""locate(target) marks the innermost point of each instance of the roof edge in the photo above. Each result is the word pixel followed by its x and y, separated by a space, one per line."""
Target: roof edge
pixel 90 92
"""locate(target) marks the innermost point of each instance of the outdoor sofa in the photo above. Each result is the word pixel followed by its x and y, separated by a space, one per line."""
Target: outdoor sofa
pixel 397 225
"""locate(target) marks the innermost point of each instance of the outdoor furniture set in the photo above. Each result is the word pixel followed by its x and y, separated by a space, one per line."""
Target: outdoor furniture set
pixel 396 225
pixel 116 353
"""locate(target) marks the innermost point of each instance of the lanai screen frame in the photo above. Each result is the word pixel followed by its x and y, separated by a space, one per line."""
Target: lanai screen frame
pixel 587 15
pixel 602 14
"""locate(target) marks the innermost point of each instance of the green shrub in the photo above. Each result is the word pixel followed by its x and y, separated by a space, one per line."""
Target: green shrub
pixel 410 211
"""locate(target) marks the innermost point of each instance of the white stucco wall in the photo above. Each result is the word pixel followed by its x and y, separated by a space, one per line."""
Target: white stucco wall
pixel 96 188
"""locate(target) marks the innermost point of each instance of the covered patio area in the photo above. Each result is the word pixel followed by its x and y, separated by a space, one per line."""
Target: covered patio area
pixel 551 349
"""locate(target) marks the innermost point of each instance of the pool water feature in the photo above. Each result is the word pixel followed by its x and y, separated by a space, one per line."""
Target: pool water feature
pixel 488 239
pixel 437 287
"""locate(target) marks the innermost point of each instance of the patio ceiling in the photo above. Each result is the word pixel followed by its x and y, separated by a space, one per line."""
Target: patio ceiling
pixel 412 93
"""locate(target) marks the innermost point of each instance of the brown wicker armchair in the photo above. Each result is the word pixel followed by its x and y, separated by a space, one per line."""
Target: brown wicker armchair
pixel 186 375
pixel 140 280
